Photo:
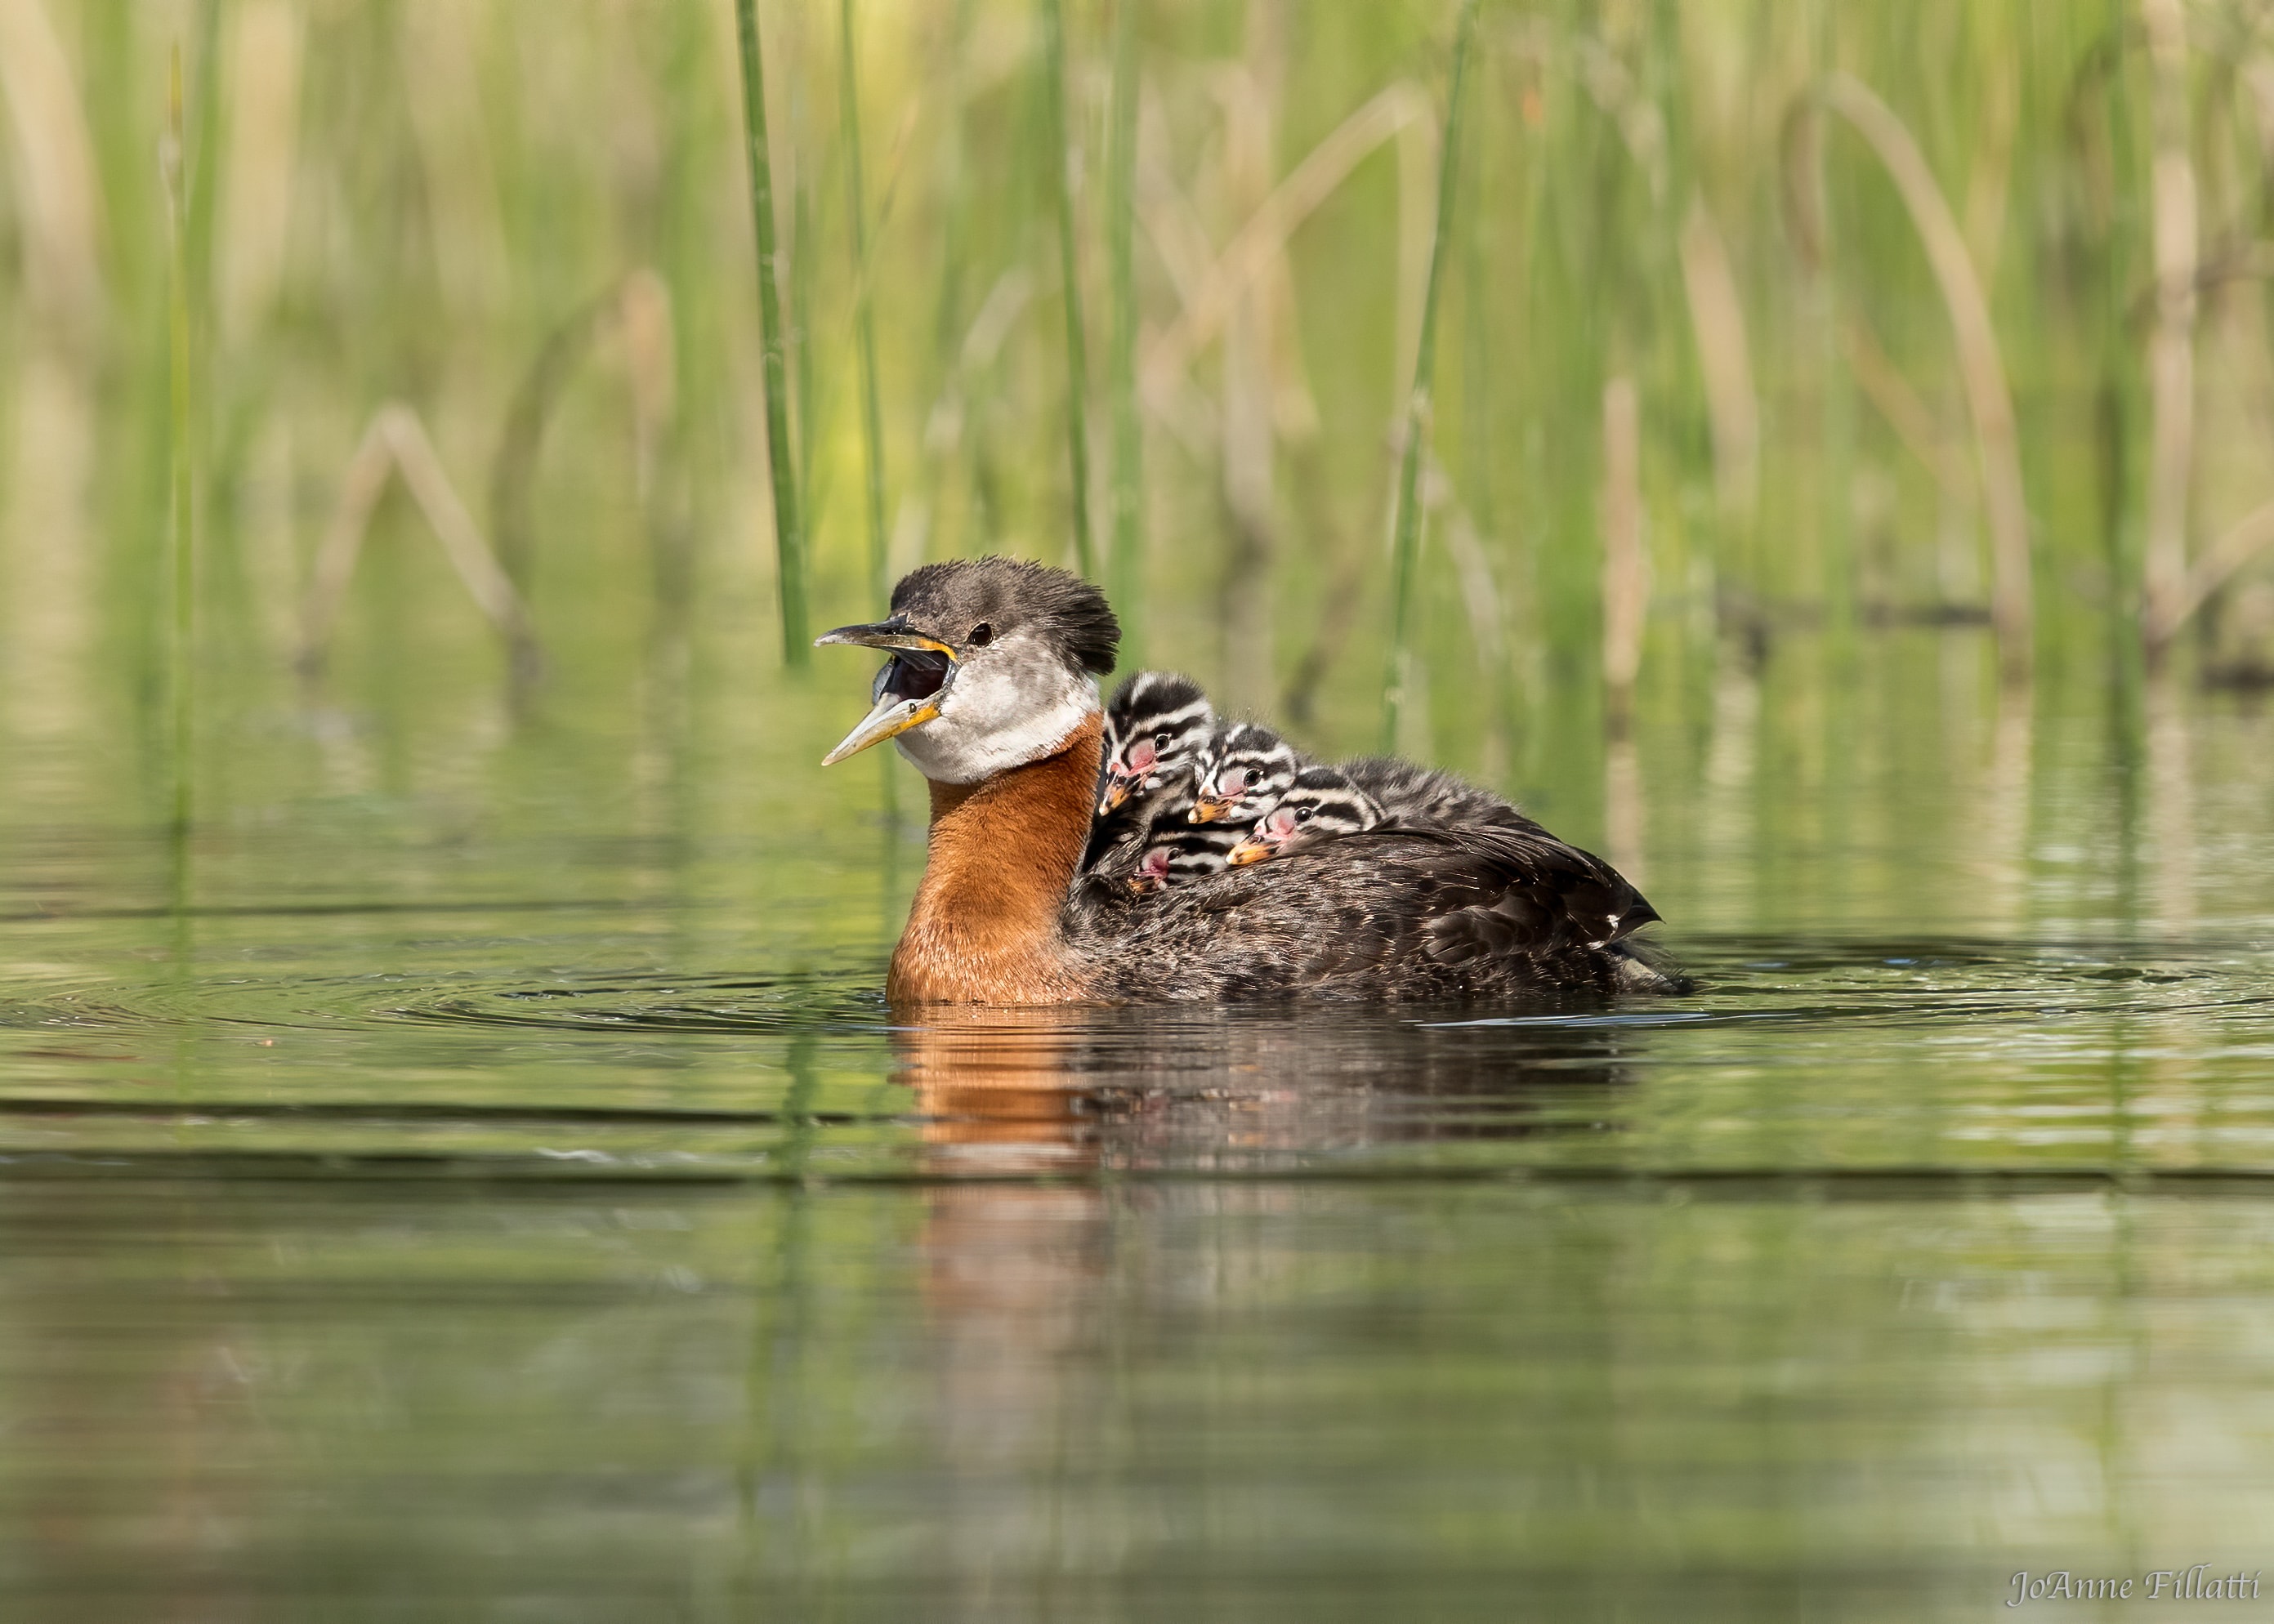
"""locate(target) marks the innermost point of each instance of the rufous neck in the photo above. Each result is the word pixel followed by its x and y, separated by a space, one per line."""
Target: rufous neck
pixel 984 927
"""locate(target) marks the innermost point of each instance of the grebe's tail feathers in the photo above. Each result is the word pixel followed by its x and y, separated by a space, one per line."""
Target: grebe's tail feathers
pixel 1542 897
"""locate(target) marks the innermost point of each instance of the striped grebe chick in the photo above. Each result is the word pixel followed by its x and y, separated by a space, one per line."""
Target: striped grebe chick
pixel 1321 804
pixel 1185 851
pixel 1245 767
pixel 990 691
pixel 1156 727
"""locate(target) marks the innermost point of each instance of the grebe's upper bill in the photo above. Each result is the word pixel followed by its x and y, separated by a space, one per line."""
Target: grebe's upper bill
pixel 893 634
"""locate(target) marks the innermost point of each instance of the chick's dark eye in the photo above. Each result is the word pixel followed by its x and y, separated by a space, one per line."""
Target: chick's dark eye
pixel 1302 815
pixel 981 635
pixel 1160 741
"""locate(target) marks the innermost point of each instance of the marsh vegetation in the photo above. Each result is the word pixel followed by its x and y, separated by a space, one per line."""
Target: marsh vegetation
pixel 1741 322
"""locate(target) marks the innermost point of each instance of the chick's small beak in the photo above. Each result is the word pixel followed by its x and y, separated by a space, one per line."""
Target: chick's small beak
pixel 1115 795
pixel 892 715
pixel 1207 811
pixel 1248 850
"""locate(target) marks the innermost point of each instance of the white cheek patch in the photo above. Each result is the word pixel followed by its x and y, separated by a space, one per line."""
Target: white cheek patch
pixel 1009 706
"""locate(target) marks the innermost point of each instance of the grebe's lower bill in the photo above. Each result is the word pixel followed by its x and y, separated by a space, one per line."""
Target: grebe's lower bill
pixel 991 693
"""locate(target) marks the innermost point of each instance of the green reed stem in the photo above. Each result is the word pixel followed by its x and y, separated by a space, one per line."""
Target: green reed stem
pixel 872 418
pixel 180 674
pixel 1406 531
pixel 789 535
pixel 798 258
pixel 864 317
pixel 202 159
pixel 1126 566
pixel 1056 152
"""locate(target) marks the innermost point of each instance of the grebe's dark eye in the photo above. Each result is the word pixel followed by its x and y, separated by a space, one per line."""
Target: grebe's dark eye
pixel 1160 741
pixel 1303 814
pixel 981 635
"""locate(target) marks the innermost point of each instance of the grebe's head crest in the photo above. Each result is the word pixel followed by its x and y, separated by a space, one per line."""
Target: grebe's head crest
pixel 1244 769
pixel 995 663
pixel 1156 727
pixel 1320 804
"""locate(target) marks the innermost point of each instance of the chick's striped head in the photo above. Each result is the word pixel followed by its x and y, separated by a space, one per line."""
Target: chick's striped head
pixel 1186 853
pixel 1245 770
pixel 1155 726
pixel 1318 805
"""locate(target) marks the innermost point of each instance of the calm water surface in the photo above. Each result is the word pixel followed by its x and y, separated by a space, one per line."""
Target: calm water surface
pixel 501 1193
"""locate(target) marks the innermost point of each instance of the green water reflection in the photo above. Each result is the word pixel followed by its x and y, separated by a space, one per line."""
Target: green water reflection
pixel 376 1399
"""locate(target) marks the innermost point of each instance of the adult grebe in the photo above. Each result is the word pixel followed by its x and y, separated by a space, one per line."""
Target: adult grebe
pixel 991 693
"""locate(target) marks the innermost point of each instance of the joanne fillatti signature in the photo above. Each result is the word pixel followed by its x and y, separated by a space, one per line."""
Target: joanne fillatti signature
pixel 2196 1583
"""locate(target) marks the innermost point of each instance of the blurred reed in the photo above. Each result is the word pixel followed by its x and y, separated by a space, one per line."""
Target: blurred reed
pixel 864 315
pixel 1991 347
pixel 2171 350
pixel 1125 563
pixel 397 442
pixel 782 467
pixel 1405 528
pixel 181 665
pixel 1982 367
pixel 1058 159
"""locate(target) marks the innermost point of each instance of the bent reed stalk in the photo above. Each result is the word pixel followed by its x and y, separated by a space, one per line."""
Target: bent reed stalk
pixel 397 442
pixel 1982 368
pixel 789 534
pixel 1405 543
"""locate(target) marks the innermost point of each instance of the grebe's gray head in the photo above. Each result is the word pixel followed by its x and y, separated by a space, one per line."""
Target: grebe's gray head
pixel 994 663
pixel 1245 768
pixel 1156 727
pixel 1318 805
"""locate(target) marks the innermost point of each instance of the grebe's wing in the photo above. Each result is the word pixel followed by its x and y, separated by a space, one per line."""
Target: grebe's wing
pixel 1528 892
pixel 1390 913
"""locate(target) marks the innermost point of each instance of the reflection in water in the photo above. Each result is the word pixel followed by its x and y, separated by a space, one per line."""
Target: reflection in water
pixel 2171 805
pixel 997 1090
pixel 1013 1400
pixel 1007 1091
pixel 1037 1296
pixel 2002 852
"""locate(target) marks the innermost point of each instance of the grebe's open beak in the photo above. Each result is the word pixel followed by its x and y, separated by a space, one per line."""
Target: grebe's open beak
pixel 910 688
